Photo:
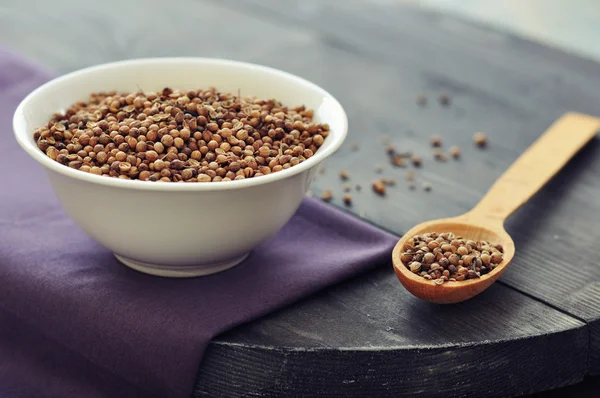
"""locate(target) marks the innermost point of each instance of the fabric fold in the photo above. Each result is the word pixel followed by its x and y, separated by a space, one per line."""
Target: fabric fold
pixel 75 322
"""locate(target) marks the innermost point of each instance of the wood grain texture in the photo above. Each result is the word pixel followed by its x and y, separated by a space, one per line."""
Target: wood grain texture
pixel 536 166
pixel 376 57
pixel 368 338
pixel 511 89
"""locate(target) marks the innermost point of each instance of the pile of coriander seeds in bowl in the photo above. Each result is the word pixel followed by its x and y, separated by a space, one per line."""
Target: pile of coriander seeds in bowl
pixel 446 257
pixel 175 136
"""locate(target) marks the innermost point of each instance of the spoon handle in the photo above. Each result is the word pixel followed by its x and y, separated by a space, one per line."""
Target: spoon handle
pixel 540 162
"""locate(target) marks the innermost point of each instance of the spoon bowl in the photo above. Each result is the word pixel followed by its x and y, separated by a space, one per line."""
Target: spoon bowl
pixel 453 292
pixel 536 166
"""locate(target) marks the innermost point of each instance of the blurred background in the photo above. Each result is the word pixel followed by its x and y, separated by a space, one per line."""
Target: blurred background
pixel 573 26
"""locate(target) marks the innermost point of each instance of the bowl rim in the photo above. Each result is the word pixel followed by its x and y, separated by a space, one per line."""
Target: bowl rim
pixel 338 136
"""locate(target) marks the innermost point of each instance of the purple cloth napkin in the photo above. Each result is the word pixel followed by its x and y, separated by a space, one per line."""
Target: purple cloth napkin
pixel 74 322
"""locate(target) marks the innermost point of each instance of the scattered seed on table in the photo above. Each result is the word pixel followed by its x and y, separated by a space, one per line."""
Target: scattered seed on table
pixel 444 100
pixel 416 160
pixel 344 175
pixel 480 139
pixel 389 181
pixel 410 175
pixel 390 150
pixel 362 214
pixel 436 141
pixel 327 196
pixel 348 200
pixel 399 161
pixel 354 147
pixel 455 152
pixel 379 187
pixel 454 258
pixel 321 170
pixel 378 169
pixel 438 154
pixel 347 188
pixel 427 186
pixel 358 187
pixel 412 185
pixel 421 100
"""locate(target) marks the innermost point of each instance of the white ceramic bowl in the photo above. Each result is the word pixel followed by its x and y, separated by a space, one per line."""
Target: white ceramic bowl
pixel 179 229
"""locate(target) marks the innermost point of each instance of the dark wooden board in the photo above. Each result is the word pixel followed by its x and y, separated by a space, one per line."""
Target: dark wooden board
pixel 529 332
pixel 369 338
pixel 510 88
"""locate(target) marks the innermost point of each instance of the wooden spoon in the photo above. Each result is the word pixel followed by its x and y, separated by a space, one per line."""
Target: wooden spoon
pixel 520 182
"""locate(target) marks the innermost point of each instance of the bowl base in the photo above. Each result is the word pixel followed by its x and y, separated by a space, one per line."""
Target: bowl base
pixel 180 271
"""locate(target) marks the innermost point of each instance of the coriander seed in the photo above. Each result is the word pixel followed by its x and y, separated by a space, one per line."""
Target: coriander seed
pixel 455 152
pixel 439 155
pixel 428 258
pixel 480 139
pixel 398 161
pixel 496 258
pixel 486 258
pixel 415 266
pixel 379 187
pixel 416 160
pixel 348 200
pixel 327 196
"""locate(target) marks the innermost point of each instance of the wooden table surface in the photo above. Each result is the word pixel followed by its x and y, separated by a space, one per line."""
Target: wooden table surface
pixel 537 329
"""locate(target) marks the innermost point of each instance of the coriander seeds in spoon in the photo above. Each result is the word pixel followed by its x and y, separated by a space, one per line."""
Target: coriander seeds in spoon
pixel 453 259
